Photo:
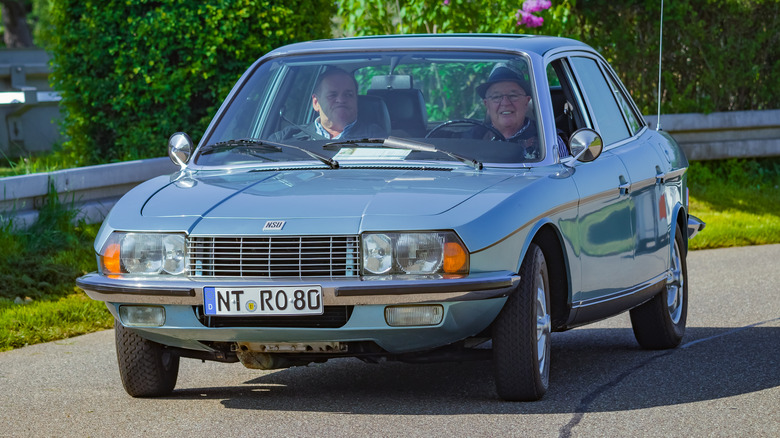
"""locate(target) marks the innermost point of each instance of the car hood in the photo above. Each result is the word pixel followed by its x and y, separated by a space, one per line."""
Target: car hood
pixel 481 206
pixel 296 194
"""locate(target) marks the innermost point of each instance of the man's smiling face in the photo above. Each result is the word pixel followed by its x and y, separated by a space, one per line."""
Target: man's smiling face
pixel 507 104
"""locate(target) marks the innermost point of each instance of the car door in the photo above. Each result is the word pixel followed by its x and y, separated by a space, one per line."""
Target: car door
pixel 603 237
pixel 646 169
pixel 649 219
pixel 635 226
pixel 604 230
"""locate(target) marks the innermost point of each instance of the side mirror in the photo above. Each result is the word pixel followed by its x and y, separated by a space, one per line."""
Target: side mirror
pixel 180 148
pixel 585 145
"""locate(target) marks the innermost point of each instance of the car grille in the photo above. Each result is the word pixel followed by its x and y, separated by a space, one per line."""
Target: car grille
pixel 333 317
pixel 265 257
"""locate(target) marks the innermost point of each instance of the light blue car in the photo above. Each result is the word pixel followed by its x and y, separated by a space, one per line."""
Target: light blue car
pixel 409 198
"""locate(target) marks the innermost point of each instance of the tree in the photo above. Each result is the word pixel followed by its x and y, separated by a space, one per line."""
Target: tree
pixel 131 73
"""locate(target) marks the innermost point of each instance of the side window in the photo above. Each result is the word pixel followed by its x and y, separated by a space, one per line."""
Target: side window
pixel 564 98
pixel 287 101
pixel 603 106
pixel 625 105
pixel 297 100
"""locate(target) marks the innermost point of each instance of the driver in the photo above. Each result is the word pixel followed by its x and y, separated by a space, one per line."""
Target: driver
pixel 506 96
pixel 335 99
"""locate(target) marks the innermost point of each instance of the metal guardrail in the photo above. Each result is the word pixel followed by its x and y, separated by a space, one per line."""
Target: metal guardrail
pixel 93 190
pixel 715 136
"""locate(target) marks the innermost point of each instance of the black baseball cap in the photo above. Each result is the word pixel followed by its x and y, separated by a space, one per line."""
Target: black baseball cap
pixel 503 73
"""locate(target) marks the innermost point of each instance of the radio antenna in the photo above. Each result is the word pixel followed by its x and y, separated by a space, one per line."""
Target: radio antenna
pixel 660 51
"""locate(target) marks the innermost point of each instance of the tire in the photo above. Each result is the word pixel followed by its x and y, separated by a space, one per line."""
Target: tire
pixel 147 368
pixel 521 334
pixel 660 323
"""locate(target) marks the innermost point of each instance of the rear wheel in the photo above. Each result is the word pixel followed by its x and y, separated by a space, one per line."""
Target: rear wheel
pixel 521 334
pixel 660 322
pixel 147 368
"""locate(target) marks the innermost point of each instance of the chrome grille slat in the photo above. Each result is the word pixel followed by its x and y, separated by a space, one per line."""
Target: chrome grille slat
pixel 264 257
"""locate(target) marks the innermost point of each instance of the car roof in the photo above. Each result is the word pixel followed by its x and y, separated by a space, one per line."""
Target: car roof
pixel 479 42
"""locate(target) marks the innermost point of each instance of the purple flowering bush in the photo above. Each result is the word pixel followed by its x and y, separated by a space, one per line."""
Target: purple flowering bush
pixel 526 17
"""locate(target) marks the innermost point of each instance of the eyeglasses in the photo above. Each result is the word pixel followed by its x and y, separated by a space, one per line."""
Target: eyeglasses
pixel 500 97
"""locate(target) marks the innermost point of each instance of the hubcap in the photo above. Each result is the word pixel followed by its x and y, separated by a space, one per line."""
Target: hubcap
pixel 542 328
pixel 674 287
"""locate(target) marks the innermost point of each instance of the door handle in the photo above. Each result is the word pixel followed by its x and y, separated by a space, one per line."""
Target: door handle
pixel 660 176
pixel 624 185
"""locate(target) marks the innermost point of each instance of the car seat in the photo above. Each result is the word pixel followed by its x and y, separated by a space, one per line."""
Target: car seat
pixel 406 105
pixel 372 109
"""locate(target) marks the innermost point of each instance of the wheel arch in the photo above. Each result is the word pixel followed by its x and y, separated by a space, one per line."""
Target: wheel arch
pixel 549 239
pixel 680 218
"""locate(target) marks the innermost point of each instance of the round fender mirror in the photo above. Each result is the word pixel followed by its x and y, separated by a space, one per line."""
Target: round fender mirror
pixel 180 148
pixel 585 145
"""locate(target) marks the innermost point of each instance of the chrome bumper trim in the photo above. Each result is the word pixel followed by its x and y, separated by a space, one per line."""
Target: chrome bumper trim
pixel 694 226
pixel 106 288
pixel 184 291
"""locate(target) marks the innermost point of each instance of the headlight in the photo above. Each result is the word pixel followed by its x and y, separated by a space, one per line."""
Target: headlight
pixel 415 253
pixel 143 254
pixel 377 253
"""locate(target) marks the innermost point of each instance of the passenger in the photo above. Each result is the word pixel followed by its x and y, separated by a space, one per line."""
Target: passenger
pixel 335 99
pixel 506 96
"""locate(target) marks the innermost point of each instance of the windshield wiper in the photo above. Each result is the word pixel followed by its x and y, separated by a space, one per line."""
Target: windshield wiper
pixel 266 146
pixel 402 143
pixel 336 145
pixel 241 142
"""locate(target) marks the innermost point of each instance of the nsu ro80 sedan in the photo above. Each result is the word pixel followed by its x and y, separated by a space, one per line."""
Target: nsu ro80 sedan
pixel 409 198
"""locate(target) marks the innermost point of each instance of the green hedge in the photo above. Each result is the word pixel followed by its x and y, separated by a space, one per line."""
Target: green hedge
pixel 719 55
pixel 132 72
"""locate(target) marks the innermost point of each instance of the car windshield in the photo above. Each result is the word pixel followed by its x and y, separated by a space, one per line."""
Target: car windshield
pixel 458 107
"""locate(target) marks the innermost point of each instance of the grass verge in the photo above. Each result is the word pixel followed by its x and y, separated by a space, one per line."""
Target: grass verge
pixel 738 199
pixel 50 320
pixel 736 227
pixel 37 268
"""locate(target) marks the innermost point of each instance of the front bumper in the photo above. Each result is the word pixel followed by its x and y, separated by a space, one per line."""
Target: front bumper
pixel 694 226
pixel 470 305
pixel 342 291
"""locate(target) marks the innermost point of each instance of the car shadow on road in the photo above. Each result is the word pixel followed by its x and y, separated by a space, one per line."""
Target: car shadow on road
pixel 593 370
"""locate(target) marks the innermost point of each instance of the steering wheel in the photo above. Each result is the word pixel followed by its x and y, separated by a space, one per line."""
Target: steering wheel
pixel 498 135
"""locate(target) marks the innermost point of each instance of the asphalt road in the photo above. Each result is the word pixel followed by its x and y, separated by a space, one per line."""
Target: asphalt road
pixel 723 381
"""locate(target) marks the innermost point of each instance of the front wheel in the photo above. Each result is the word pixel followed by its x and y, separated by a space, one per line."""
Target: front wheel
pixel 147 368
pixel 521 334
pixel 660 323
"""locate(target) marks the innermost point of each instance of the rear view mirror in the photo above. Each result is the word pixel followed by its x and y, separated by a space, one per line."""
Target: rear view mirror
pixel 180 148
pixel 585 145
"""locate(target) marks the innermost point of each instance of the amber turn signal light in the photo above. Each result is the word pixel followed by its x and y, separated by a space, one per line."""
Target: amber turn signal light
pixel 456 259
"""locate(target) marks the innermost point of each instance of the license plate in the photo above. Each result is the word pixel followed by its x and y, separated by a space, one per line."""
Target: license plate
pixel 277 300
